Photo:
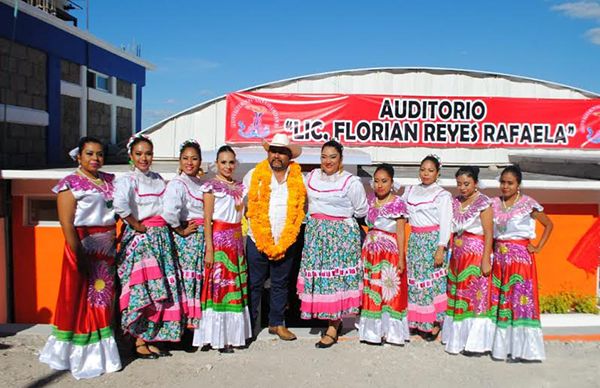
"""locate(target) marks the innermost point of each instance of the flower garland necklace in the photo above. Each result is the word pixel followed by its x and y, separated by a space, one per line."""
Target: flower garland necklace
pixel 259 198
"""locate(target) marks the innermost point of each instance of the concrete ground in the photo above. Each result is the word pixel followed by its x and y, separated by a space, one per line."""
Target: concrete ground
pixel 572 347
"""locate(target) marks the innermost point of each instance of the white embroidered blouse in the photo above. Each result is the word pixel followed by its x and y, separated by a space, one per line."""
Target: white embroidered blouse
pixel 469 220
pixel 139 194
pixel 94 202
pixel 515 223
pixel 337 195
pixel 430 206
pixel 182 200
pixel 229 205
pixel 385 217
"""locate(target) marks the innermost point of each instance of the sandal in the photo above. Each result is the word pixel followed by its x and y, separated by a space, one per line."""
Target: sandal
pixel 323 345
pixel 159 352
pixel 145 356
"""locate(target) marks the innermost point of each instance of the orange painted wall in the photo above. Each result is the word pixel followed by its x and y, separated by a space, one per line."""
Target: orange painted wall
pixel 37 260
pixel 555 273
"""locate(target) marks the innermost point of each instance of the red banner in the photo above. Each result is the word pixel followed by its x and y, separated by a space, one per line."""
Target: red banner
pixel 409 121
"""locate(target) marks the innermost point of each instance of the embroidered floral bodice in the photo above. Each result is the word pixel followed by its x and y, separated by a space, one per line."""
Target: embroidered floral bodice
pixel 94 202
pixel 515 222
pixel 385 217
pixel 468 219
pixel 229 205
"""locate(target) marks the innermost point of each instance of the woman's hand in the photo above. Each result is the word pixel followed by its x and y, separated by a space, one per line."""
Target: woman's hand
pixel 486 266
pixel 438 256
pixel 532 248
pixel 401 265
pixel 191 228
pixel 208 258
pixel 138 227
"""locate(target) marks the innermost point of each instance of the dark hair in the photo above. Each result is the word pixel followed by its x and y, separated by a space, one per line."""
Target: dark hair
pixel 335 144
pixel 470 171
pixel 88 139
pixel 433 160
pixel 385 167
pixel 190 144
pixel 225 148
pixel 139 139
pixel 515 170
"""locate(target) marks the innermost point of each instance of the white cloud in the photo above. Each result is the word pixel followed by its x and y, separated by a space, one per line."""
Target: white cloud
pixel 593 35
pixel 205 92
pixel 170 101
pixel 580 9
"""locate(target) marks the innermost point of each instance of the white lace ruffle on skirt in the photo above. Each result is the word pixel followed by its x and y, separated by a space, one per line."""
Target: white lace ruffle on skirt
pixel 84 361
pixel 526 343
pixel 391 330
pixel 471 335
pixel 220 329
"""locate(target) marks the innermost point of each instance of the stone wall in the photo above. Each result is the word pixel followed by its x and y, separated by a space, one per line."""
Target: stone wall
pixel 22 76
pixel 124 89
pixel 123 124
pixel 70 72
pixel 98 123
pixel 69 125
pixel 23 146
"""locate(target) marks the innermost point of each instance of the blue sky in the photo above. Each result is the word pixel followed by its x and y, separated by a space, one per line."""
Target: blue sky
pixel 205 49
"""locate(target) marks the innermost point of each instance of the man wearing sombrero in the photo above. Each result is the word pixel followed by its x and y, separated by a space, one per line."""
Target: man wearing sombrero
pixel 276 196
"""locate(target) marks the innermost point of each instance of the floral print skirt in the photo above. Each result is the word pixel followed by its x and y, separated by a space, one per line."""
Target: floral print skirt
pixel 384 301
pixel 426 283
pixel 515 302
pixel 330 278
pixel 82 338
pixel 469 324
pixel 150 302
pixel 190 255
pixel 225 316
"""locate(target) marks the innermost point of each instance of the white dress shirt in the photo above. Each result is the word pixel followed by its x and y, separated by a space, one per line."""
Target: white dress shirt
pixel 277 204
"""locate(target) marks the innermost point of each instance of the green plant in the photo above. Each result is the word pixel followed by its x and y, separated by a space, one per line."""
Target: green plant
pixel 568 302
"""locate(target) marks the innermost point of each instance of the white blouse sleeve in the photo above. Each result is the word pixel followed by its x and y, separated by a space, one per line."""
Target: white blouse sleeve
pixel 123 192
pixel 445 214
pixel 173 203
pixel 358 198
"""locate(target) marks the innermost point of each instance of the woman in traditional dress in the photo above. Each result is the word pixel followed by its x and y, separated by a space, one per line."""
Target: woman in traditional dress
pixel 184 211
pixel 385 291
pixel 515 288
pixel 150 302
pixel 430 216
pixel 82 338
pixel 330 277
pixel 225 319
pixel 469 327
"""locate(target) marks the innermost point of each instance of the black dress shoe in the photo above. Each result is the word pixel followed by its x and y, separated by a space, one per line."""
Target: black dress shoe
pixel 430 337
pixel 145 356
pixel 226 350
